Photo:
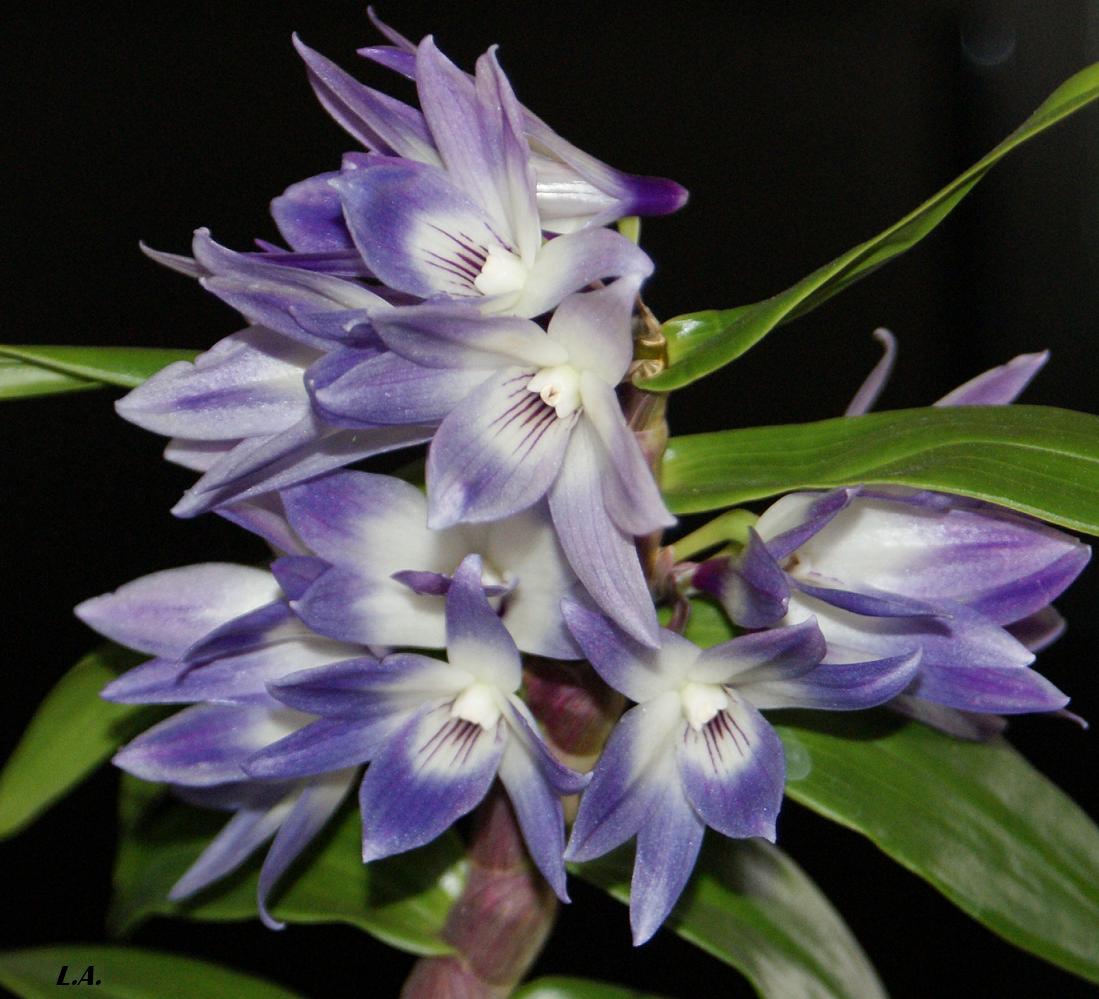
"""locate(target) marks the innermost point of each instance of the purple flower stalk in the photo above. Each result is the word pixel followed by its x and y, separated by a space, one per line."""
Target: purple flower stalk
pixel 696 751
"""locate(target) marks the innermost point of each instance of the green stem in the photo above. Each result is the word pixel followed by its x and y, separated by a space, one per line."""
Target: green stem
pixel 730 526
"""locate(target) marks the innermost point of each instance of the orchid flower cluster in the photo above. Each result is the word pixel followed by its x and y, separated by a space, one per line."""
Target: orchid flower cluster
pixel 460 282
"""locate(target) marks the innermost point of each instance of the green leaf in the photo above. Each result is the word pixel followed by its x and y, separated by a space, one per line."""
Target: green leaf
pixel 403 900
pixel 749 905
pixel 973 819
pixel 19 380
pixel 71 734
pixel 1038 460
pixel 34 370
pixel 702 342
pixel 559 987
pixel 128 973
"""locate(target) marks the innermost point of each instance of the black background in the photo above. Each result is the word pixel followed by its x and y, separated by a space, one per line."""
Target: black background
pixel 801 128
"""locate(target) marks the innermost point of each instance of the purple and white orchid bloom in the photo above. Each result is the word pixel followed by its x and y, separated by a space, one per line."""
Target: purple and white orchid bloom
pixel 543 420
pixel 884 573
pixel 219 633
pixel 241 413
pixel 436 734
pixel 887 569
pixel 695 751
pixel 468 228
pixel 573 190
pixel 384 571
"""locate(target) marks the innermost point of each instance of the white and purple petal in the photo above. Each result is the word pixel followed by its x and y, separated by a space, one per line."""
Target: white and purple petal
pixel 538 811
pixel 417 231
pixel 365 388
pixel 316 804
pixel 497 453
pixel 629 489
pixel 667 847
pixel 733 770
pixel 166 612
pixel 430 773
pixel 568 263
pixel 774 653
pixel 997 386
pixel 379 122
pixel 241 836
pixel 204 744
pixel 477 641
pixel 602 556
pixel 638 671
pixel 249 384
pixel 629 779
pixel 834 686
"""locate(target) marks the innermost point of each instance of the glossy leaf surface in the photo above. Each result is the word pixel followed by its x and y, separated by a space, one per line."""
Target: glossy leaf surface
pixel 749 905
pixel 72 733
pixel 127 973
pixel 46 370
pixel 1035 459
pixel 703 342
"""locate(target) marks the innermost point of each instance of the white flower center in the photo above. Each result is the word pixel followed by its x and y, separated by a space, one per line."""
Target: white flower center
pixel 559 387
pixel 478 704
pixel 702 702
pixel 502 272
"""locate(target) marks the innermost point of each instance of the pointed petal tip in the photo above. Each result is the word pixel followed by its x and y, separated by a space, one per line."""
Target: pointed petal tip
pixel 267 919
pixel 654 196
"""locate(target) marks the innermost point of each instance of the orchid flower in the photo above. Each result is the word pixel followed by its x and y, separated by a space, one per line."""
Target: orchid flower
pixel 468 228
pixel 241 413
pixel 696 751
pixel 384 570
pixel 573 189
pixel 886 570
pixel 436 734
pixel 218 633
pixel 543 420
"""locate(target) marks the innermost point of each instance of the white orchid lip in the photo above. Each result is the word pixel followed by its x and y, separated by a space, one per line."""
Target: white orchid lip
pixel 702 702
pixel 478 704
pixel 501 273
pixel 559 387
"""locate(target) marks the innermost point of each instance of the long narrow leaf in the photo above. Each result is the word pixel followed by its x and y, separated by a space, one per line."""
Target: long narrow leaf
pixel 702 342
pixel 752 907
pixel 19 380
pixel 36 370
pixel 1038 460
pixel 974 819
pixel 577 988
pixel 72 733
pixel 126 973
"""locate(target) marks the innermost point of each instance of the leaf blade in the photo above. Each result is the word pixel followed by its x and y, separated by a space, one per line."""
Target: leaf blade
pixel 129 973
pixel 39 369
pixel 564 987
pixel 1034 459
pixel 975 820
pixel 749 905
pixel 70 735
pixel 702 342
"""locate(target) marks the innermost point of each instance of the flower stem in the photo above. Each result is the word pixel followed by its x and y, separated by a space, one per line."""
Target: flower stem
pixel 501 921
pixel 730 526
